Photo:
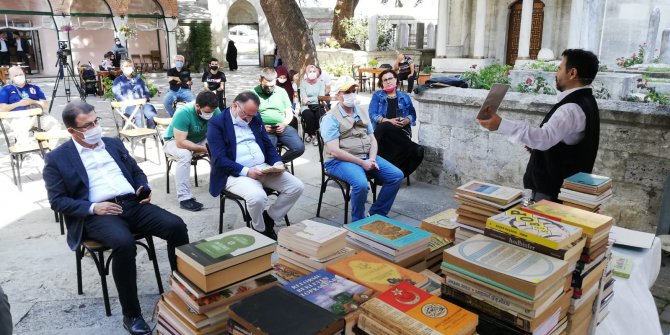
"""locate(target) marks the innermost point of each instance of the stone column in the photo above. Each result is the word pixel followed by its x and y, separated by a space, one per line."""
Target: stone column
pixel 172 26
pixel 403 35
pixel 652 33
pixel 372 33
pixel 665 46
pixel 442 25
pixel 526 25
pixel 420 28
pixel 430 36
pixel 480 29
pixel 576 24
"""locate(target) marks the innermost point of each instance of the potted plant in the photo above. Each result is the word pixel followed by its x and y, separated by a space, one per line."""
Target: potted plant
pixel 373 63
pixel 424 74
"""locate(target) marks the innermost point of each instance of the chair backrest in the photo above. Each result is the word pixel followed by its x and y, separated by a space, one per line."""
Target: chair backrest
pixel 323 101
pixel 118 111
pixel 321 144
pixel 28 114
pixel 386 66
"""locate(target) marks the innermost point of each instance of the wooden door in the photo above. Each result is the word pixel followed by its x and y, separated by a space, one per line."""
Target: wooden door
pixel 514 29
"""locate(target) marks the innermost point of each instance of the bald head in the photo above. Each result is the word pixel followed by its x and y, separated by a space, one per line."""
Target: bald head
pixel 17 71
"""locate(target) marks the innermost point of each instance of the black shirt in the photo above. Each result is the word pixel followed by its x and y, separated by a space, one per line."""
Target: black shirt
pixel 213 80
pixel 392 107
pixel 184 75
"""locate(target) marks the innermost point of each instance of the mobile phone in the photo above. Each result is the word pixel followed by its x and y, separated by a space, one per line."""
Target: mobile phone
pixel 144 193
pixel 274 127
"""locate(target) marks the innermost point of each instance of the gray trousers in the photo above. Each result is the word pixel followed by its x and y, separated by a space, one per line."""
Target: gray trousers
pixel 6 324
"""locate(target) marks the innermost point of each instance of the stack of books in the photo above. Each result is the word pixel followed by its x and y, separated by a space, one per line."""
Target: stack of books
pixel 442 224
pixel 605 292
pixel 405 309
pixel 477 201
pixel 309 246
pixel 211 275
pixel 586 191
pixel 394 241
pixel 513 290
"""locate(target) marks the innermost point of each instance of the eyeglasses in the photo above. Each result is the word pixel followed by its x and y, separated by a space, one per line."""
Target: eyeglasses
pixel 244 114
pixel 90 125
pixel 386 80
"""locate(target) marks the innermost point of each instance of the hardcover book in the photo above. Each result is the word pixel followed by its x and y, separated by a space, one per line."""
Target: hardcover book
pixel 389 232
pixel 374 272
pixel 441 224
pixel 496 193
pixel 225 250
pixel 535 229
pixel 591 223
pixel 587 179
pixel 312 238
pixel 493 261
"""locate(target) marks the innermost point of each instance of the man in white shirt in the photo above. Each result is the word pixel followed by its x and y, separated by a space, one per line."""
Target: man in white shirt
pixel 567 140
pixel 4 50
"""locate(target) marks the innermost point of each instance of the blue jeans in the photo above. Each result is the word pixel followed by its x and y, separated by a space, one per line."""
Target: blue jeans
pixel 170 97
pixel 149 112
pixel 291 140
pixel 389 176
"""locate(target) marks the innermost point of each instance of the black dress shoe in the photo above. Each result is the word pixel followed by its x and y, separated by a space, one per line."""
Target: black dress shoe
pixel 136 325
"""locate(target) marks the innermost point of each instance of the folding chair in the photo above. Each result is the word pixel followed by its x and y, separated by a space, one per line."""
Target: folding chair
pixel 137 60
pixel 361 78
pixel 243 207
pixel 126 128
pixel 146 63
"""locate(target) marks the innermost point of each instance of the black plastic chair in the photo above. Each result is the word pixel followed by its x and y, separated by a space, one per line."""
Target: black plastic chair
pixel 243 207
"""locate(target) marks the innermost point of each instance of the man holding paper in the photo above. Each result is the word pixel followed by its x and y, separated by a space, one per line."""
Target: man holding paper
pixel 241 150
pixel 567 140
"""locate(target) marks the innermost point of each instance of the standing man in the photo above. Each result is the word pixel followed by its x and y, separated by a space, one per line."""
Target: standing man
pixel 120 52
pixel 180 85
pixel 22 51
pixel 129 87
pixel 105 196
pixel 4 49
pixel 351 154
pixel 567 140
pixel 277 114
pixel 239 146
pixel 215 81
pixel 187 136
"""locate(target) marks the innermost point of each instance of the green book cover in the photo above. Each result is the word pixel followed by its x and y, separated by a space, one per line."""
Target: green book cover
pixel 622 265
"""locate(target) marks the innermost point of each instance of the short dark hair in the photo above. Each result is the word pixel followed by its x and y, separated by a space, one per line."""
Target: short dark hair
pixel 72 110
pixel 213 60
pixel 246 96
pixel 207 99
pixel 380 83
pixel 109 54
pixel 584 61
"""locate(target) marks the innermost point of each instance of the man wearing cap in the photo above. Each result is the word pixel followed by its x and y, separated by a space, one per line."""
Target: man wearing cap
pixel 351 154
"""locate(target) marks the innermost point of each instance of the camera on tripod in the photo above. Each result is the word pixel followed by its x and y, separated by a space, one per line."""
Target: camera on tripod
pixel 63 50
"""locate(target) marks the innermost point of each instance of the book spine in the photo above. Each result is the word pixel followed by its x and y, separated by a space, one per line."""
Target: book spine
pixel 398 321
pixel 520 242
pixel 530 237
pixel 478 306
pixel 500 301
pixel 370 326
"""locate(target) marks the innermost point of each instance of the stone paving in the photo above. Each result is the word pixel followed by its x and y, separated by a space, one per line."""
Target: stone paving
pixel 38 269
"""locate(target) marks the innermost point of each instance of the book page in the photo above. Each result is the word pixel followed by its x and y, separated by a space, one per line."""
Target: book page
pixel 492 101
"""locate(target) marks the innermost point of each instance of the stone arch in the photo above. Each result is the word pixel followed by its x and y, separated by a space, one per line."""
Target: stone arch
pixel 242 12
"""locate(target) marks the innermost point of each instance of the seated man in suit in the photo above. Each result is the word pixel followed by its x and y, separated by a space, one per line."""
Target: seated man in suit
pixel 104 196
pixel 239 145
pixel 129 87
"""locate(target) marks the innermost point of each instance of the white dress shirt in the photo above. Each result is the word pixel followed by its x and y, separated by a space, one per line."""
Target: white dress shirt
pixel 3 46
pixel 18 45
pixel 105 179
pixel 566 125
pixel 249 153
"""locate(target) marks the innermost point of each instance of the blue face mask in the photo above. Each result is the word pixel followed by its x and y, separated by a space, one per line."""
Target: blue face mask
pixel 179 64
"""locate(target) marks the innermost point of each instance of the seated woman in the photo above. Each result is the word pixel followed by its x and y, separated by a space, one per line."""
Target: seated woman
pixel 310 90
pixel 392 115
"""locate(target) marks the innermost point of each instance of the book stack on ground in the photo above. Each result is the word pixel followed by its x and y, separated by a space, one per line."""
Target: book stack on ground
pixel 442 224
pixel 477 201
pixel 605 291
pixel 587 276
pixel 331 292
pixel 513 290
pixel 586 191
pixel 407 310
pixel 308 246
pixel 394 241
pixel 211 275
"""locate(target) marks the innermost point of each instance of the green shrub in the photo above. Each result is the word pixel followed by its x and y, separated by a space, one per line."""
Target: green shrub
pixel 485 77
pixel 649 94
pixel 544 66
pixel 384 35
pixel 200 46
pixel 538 85
pixel 338 69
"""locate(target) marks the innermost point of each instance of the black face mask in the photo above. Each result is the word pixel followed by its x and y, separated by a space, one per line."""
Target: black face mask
pixel 213 68
pixel 268 89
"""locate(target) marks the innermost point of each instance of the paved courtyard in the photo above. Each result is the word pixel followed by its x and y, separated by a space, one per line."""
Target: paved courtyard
pixel 38 269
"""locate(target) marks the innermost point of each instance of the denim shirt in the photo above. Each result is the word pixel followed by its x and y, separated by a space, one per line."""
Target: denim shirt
pixel 377 108
pixel 128 89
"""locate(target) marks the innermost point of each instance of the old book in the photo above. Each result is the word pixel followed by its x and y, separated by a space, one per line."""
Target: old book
pixel 437 245
pixel 591 223
pixel 622 265
pixel 405 259
pixel 371 326
pixel 536 229
pixel 274 311
pixel 588 181
pixel 193 318
pixel 173 320
pixel 585 197
pixel 473 224
pixel 312 263
pixel 504 265
pixel 406 309
pixel 389 232
pixel 285 271
pixel 569 253
pixel 225 250
pixel 441 224
pixel 472 215
pixel 374 272
pixel 486 204
pixel 467 207
pixel 269 169
pixel 434 283
pixel 313 239
pixel 222 278
pixel 495 193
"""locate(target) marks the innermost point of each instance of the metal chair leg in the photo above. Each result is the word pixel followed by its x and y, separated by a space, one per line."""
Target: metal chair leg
pixel 347 196
pixel 195 172
pixel 103 281
pixel 168 166
pixel 79 253
pixel 222 209
pixel 318 207
pixel 152 256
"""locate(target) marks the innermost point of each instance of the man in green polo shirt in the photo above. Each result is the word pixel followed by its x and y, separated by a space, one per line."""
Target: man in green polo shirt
pixel 187 136
pixel 277 115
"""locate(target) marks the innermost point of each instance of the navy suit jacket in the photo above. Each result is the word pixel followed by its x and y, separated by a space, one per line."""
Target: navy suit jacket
pixel 67 183
pixel 223 149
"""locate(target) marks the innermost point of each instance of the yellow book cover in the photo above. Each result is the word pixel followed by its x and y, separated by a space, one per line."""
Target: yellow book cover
pixel 591 223
pixel 536 229
pixel 374 272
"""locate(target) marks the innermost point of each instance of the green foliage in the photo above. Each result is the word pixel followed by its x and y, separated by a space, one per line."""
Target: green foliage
pixel 537 86
pixel 601 92
pixel 649 94
pixel 107 86
pixel 427 69
pixel 373 63
pixel 199 45
pixel 487 76
pixel 384 35
pixel 355 30
pixel 636 58
pixel 332 43
pixel 544 66
pixel 658 69
pixel 338 69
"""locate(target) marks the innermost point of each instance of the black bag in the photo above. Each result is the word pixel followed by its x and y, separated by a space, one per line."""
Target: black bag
pixel 91 88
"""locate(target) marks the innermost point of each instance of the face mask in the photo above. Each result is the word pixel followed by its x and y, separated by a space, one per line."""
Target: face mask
pixel 311 75
pixel 390 88
pixel 179 64
pixel 206 116
pixel 214 68
pixel 238 119
pixel 118 43
pixel 19 80
pixel 349 99
pixel 128 71
pixel 268 89
pixel 92 136
pixel 281 80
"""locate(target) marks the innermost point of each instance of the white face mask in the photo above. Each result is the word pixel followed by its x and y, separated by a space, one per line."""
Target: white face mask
pixel 206 116
pixel 128 71
pixel 92 136
pixel 311 75
pixel 281 80
pixel 238 119
pixel 349 99
pixel 19 80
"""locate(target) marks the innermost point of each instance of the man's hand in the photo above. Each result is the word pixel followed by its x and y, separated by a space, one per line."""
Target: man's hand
pixel 269 129
pixel 202 150
pixel 255 173
pixel 27 102
pixel 280 128
pixel 492 123
pixel 369 165
pixel 107 208
pixel 145 200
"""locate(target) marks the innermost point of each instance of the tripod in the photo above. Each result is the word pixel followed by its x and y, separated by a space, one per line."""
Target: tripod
pixel 63 65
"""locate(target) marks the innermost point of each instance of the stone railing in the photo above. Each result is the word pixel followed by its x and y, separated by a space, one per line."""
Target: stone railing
pixel 634 147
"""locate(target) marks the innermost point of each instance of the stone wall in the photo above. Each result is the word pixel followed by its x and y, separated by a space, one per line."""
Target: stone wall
pixel 634 147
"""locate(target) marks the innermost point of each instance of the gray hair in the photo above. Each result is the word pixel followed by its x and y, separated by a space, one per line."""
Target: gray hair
pixel 245 96
pixel 269 74
pixel 126 61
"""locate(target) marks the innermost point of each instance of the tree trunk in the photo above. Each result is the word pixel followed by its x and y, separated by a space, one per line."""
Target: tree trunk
pixel 291 34
pixel 344 9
